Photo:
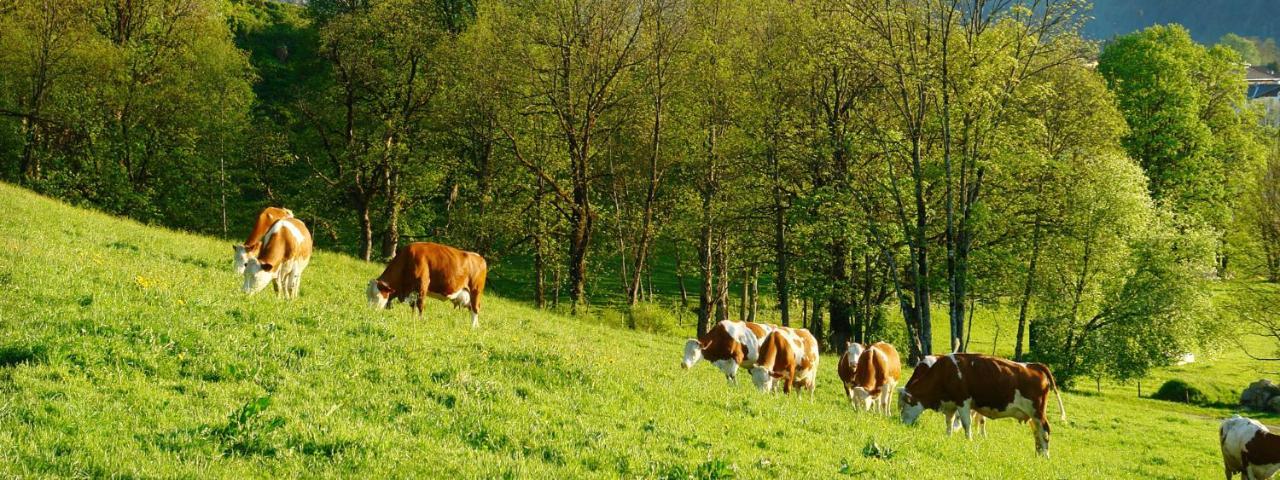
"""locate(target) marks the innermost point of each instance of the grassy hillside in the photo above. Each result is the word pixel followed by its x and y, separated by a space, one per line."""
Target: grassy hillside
pixel 126 350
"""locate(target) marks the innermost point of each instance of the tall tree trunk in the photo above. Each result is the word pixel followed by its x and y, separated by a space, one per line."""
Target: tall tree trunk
pixel 706 267
pixel 920 278
pixel 391 237
pixel 746 296
pixel 815 322
pixel 706 256
pixel 755 293
pixel 838 301
pixel 366 228
pixel 1028 287
pixel 780 278
pixel 722 277
pixel 651 193
pixel 539 273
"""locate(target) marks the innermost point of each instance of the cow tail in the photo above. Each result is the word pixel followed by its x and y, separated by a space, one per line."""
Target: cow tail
pixel 1062 411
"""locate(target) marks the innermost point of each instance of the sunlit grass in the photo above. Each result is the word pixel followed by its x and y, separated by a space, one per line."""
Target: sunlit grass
pixel 126 350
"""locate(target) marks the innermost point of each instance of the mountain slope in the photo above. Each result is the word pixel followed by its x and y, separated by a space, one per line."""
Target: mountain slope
pixel 125 350
pixel 1207 20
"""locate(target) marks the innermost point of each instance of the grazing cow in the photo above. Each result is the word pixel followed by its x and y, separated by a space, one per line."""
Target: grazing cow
pixel 423 269
pixel 285 253
pixel 870 375
pixel 1248 448
pixel 266 218
pixel 790 354
pixel 962 383
pixel 728 345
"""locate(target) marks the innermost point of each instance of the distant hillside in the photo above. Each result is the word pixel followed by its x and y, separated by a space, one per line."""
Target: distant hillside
pixel 1208 20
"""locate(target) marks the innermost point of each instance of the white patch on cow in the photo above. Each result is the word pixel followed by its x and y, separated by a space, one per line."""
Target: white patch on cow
pixel 239 259
pixel 855 351
pixel 862 399
pixel 255 278
pixel 460 298
pixel 761 378
pixel 911 410
pixel 376 298
pixel 692 353
pixel 739 332
pixel 729 367
pixel 1021 408
pixel 283 225
pixel 475 320
pixel 928 361
pixel 957 364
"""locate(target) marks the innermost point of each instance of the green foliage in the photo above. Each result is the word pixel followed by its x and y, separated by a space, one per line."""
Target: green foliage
pixel 248 431
pixel 1177 390
pixel 1188 127
pixel 873 449
pixel 652 318
pixel 1243 47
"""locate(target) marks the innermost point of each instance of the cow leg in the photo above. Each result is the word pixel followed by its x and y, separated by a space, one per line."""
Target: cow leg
pixel 1041 428
pixel 966 417
pixel 475 307
pixel 951 419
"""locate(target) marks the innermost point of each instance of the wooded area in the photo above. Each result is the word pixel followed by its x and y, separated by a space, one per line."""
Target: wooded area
pixel 868 161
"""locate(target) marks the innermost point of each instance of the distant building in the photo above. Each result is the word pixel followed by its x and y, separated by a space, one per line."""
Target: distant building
pixel 1264 89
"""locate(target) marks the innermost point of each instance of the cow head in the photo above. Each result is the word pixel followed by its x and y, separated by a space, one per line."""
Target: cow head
pixel 692 353
pixel 762 378
pixel 257 276
pixel 910 407
pixel 855 350
pixel 240 257
pixel 379 293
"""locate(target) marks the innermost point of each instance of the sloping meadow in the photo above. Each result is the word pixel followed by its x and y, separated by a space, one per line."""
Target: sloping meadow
pixel 127 350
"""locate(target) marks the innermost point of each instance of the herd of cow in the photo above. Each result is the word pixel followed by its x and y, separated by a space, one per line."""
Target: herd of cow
pixel 279 248
pixel 966 388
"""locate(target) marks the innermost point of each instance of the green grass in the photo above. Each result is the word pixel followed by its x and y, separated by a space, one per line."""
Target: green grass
pixel 126 350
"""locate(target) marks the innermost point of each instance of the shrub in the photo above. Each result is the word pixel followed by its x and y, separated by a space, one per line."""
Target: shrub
pixel 651 317
pixel 1180 391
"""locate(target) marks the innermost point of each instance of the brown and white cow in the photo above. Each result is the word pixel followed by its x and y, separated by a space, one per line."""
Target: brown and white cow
pixel 424 269
pixel 961 383
pixel 1248 448
pixel 249 249
pixel 285 253
pixel 728 345
pixel 789 354
pixel 870 375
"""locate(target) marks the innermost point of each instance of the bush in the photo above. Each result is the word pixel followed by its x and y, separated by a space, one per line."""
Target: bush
pixel 652 318
pixel 1180 391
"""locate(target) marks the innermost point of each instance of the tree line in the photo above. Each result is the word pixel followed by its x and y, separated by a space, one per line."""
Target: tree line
pixel 878 166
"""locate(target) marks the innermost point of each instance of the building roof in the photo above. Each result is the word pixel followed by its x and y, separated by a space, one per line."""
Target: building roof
pixel 1256 74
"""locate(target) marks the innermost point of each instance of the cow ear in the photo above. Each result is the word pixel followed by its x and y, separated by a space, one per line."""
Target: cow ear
pixel 266 267
pixel 384 288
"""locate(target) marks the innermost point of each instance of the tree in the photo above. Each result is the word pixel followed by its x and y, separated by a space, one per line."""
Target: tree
pixel 1244 47
pixel 574 56
pixel 1184 105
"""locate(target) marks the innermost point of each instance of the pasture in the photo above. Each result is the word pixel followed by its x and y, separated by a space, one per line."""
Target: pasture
pixel 127 350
